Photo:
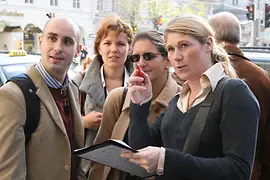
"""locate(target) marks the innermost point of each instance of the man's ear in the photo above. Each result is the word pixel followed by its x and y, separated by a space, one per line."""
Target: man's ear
pixel 40 41
pixel 79 48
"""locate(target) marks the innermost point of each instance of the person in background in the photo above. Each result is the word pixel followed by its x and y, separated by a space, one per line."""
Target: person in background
pixel 5 47
pixel 150 54
pixel 85 60
pixel 48 153
pixel 228 33
pixel 108 70
pixel 179 145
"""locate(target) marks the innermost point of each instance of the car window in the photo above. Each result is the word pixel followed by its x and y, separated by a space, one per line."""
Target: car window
pixel 14 69
pixel 260 58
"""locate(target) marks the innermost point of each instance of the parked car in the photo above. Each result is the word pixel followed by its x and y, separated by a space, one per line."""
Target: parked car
pixel 15 62
pixel 259 56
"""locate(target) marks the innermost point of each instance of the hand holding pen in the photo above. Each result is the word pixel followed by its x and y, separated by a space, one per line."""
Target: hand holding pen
pixel 140 87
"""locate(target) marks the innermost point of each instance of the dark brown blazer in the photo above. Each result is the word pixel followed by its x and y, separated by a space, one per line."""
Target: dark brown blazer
pixel 258 81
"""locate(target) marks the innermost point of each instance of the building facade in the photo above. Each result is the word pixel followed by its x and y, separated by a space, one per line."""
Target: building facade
pixel 22 20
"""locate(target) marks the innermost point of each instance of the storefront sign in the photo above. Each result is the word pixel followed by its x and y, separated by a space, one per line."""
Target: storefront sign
pixel 5 12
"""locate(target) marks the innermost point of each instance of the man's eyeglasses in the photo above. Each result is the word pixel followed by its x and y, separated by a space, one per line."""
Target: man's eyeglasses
pixel 148 56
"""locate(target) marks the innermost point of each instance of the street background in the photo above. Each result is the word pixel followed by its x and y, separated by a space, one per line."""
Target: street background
pixel 22 21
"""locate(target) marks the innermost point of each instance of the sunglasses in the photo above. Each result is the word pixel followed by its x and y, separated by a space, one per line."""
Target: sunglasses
pixel 148 56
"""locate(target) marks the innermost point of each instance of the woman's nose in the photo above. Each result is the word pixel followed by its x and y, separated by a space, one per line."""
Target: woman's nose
pixel 114 47
pixel 177 55
pixel 142 61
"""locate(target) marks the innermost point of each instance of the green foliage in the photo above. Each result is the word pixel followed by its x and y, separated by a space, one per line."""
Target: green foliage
pixel 195 7
pixel 131 11
pixel 157 8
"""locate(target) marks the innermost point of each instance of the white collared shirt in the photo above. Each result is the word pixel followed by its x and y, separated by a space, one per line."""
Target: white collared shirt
pixel 103 78
pixel 50 80
pixel 208 80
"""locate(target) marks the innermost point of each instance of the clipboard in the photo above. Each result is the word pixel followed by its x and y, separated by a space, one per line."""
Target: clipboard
pixel 108 154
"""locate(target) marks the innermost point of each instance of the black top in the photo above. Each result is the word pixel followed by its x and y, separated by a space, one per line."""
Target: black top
pixel 227 144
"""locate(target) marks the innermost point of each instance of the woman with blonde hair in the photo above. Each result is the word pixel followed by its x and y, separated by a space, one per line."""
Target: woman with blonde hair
pixel 209 129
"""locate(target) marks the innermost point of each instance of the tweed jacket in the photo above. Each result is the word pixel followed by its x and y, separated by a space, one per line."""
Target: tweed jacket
pixel 258 81
pixel 115 125
pixel 95 97
pixel 47 156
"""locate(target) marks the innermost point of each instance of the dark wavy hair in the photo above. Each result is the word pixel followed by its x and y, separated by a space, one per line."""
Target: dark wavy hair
pixel 155 37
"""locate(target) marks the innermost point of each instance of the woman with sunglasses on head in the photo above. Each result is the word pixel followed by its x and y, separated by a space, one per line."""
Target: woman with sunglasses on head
pixel 209 129
pixel 150 54
pixel 108 70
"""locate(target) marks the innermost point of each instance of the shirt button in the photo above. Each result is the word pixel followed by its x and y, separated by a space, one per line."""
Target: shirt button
pixel 66 167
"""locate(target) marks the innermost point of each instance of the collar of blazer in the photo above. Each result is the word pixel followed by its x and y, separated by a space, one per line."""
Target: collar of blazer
pixel 92 85
pixel 235 51
pixel 46 98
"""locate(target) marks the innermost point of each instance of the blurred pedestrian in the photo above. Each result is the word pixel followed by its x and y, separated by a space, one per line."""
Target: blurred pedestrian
pixel 5 47
pixel 228 32
pixel 48 153
pixel 85 59
pixel 193 139
pixel 149 52
pixel 108 70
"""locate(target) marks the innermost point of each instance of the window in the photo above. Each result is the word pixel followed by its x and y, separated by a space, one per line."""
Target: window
pixel 54 2
pixel 29 1
pixel 100 5
pixel 235 2
pixel 113 5
pixel 76 3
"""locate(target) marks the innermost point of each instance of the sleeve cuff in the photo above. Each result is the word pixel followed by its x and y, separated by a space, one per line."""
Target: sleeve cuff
pixel 161 161
pixel 146 100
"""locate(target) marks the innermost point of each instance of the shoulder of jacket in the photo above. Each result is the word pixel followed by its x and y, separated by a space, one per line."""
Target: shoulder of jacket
pixel 115 96
pixel 116 93
pixel 13 88
pixel 12 91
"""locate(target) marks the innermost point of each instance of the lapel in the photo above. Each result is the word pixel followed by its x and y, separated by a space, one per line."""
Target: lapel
pixel 77 119
pixel 235 51
pixel 121 127
pixel 92 85
pixel 46 98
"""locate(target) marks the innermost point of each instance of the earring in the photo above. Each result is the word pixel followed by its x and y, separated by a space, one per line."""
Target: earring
pixel 166 67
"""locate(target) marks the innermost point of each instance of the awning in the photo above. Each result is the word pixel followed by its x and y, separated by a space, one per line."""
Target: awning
pixel 10 27
pixel 32 28
pixel 35 29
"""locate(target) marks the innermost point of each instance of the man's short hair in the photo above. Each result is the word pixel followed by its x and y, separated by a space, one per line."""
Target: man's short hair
pixel 227 27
